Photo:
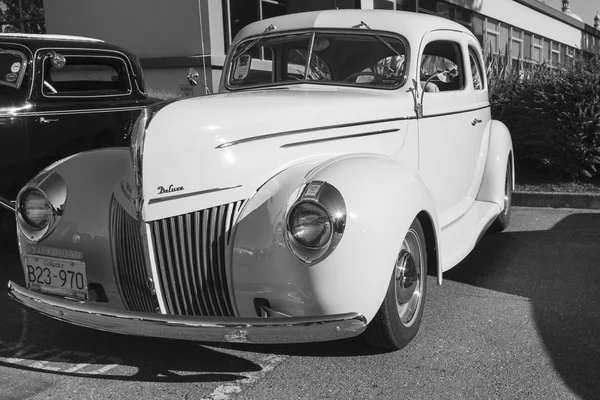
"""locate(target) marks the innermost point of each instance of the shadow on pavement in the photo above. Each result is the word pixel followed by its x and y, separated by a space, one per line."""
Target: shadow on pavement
pixel 559 271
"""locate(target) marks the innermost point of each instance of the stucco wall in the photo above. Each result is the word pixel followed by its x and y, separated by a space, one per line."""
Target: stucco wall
pixel 148 28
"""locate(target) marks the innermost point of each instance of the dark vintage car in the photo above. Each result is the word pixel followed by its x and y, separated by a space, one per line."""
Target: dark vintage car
pixel 60 95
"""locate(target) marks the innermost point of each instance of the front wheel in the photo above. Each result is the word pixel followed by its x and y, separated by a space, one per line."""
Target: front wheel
pixel 503 220
pixel 399 317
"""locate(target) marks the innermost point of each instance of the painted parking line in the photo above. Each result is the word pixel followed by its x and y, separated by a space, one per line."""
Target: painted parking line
pixel 267 364
pixel 58 360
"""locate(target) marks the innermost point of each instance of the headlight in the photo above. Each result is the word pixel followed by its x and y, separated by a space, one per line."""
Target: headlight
pixel 315 222
pixel 35 208
pixel 310 225
pixel 40 205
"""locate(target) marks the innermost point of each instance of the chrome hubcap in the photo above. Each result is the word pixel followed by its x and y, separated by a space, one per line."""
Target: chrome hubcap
pixel 410 272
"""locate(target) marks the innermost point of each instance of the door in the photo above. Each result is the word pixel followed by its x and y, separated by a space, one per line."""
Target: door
pixel 449 129
pixel 83 103
pixel 15 115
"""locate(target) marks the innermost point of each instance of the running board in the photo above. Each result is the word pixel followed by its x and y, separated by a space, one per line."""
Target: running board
pixel 460 237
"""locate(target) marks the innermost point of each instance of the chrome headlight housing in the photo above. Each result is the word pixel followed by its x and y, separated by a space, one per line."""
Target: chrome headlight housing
pixel 40 206
pixel 315 222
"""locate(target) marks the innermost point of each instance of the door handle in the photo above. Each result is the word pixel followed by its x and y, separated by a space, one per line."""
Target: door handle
pixel 47 120
pixel 476 121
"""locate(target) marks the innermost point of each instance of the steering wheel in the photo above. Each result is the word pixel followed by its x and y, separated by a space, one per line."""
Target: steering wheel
pixel 357 74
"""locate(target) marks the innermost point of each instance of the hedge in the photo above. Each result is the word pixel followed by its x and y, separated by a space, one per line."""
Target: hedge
pixel 553 114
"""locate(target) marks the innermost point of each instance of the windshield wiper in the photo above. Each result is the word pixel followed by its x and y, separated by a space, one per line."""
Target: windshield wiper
pixel 247 47
pixel 382 40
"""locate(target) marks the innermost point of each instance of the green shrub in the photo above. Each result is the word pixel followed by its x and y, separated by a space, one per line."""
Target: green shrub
pixel 553 114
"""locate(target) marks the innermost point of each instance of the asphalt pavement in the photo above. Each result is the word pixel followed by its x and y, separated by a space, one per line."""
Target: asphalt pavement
pixel 518 319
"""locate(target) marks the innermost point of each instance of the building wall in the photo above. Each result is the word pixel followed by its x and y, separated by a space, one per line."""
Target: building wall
pixel 168 39
pixel 523 17
pixel 148 28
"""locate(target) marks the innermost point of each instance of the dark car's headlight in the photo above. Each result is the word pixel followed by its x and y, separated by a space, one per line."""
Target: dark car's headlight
pixel 40 205
pixel 35 208
pixel 315 222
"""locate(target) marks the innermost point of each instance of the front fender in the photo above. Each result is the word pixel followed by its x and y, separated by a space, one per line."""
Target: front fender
pixel 92 179
pixel 500 148
pixel 382 199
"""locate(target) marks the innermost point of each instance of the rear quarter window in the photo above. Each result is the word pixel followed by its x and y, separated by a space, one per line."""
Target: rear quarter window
pixel 86 76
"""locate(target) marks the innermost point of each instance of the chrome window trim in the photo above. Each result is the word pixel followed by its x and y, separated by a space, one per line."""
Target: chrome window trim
pixel 58 96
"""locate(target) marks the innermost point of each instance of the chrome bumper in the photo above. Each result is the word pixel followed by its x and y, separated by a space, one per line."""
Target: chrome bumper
pixel 202 329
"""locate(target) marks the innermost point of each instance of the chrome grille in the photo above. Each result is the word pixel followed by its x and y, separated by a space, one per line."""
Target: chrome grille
pixel 190 253
pixel 131 273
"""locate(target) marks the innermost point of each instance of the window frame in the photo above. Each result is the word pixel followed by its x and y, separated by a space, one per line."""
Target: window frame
pixel 92 95
pixel 228 70
pixel 478 63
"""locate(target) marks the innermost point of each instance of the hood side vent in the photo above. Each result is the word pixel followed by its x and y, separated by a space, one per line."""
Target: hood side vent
pixel 131 272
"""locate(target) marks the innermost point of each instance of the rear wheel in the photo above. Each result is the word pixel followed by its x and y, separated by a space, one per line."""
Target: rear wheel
pixel 399 317
pixel 503 220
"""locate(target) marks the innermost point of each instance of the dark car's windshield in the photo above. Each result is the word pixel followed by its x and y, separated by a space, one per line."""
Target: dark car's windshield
pixel 12 67
pixel 357 59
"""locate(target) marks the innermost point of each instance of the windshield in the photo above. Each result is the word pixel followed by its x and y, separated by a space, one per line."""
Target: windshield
pixel 12 67
pixel 355 59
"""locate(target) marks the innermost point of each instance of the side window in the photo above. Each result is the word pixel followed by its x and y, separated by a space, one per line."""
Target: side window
pixel 476 70
pixel 86 76
pixel 442 56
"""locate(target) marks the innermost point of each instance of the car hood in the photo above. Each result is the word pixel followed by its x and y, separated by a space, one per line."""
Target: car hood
pixel 211 150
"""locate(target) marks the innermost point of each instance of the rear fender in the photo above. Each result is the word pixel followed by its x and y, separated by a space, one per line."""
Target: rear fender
pixel 499 150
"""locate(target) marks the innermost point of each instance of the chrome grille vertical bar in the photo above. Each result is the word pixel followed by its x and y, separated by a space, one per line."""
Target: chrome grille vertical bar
pixel 160 255
pixel 169 267
pixel 221 273
pixel 189 295
pixel 205 261
pixel 197 269
pixel 158 287
pixel 211 261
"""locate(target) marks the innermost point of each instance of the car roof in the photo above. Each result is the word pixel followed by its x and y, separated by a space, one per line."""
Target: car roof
pixel 409 24
pixel 38 41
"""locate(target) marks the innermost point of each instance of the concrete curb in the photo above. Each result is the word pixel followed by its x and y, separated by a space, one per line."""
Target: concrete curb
pixel 556 200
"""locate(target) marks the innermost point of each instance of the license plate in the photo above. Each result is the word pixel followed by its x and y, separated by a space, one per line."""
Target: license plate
pixel 57 276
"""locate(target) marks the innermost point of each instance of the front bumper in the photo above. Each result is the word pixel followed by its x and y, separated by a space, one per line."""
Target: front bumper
pixel 202 329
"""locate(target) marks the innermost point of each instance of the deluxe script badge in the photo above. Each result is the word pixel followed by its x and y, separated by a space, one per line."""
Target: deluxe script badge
pixel 170 189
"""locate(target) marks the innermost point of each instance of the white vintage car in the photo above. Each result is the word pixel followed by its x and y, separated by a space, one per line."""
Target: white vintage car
pixel 348 155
